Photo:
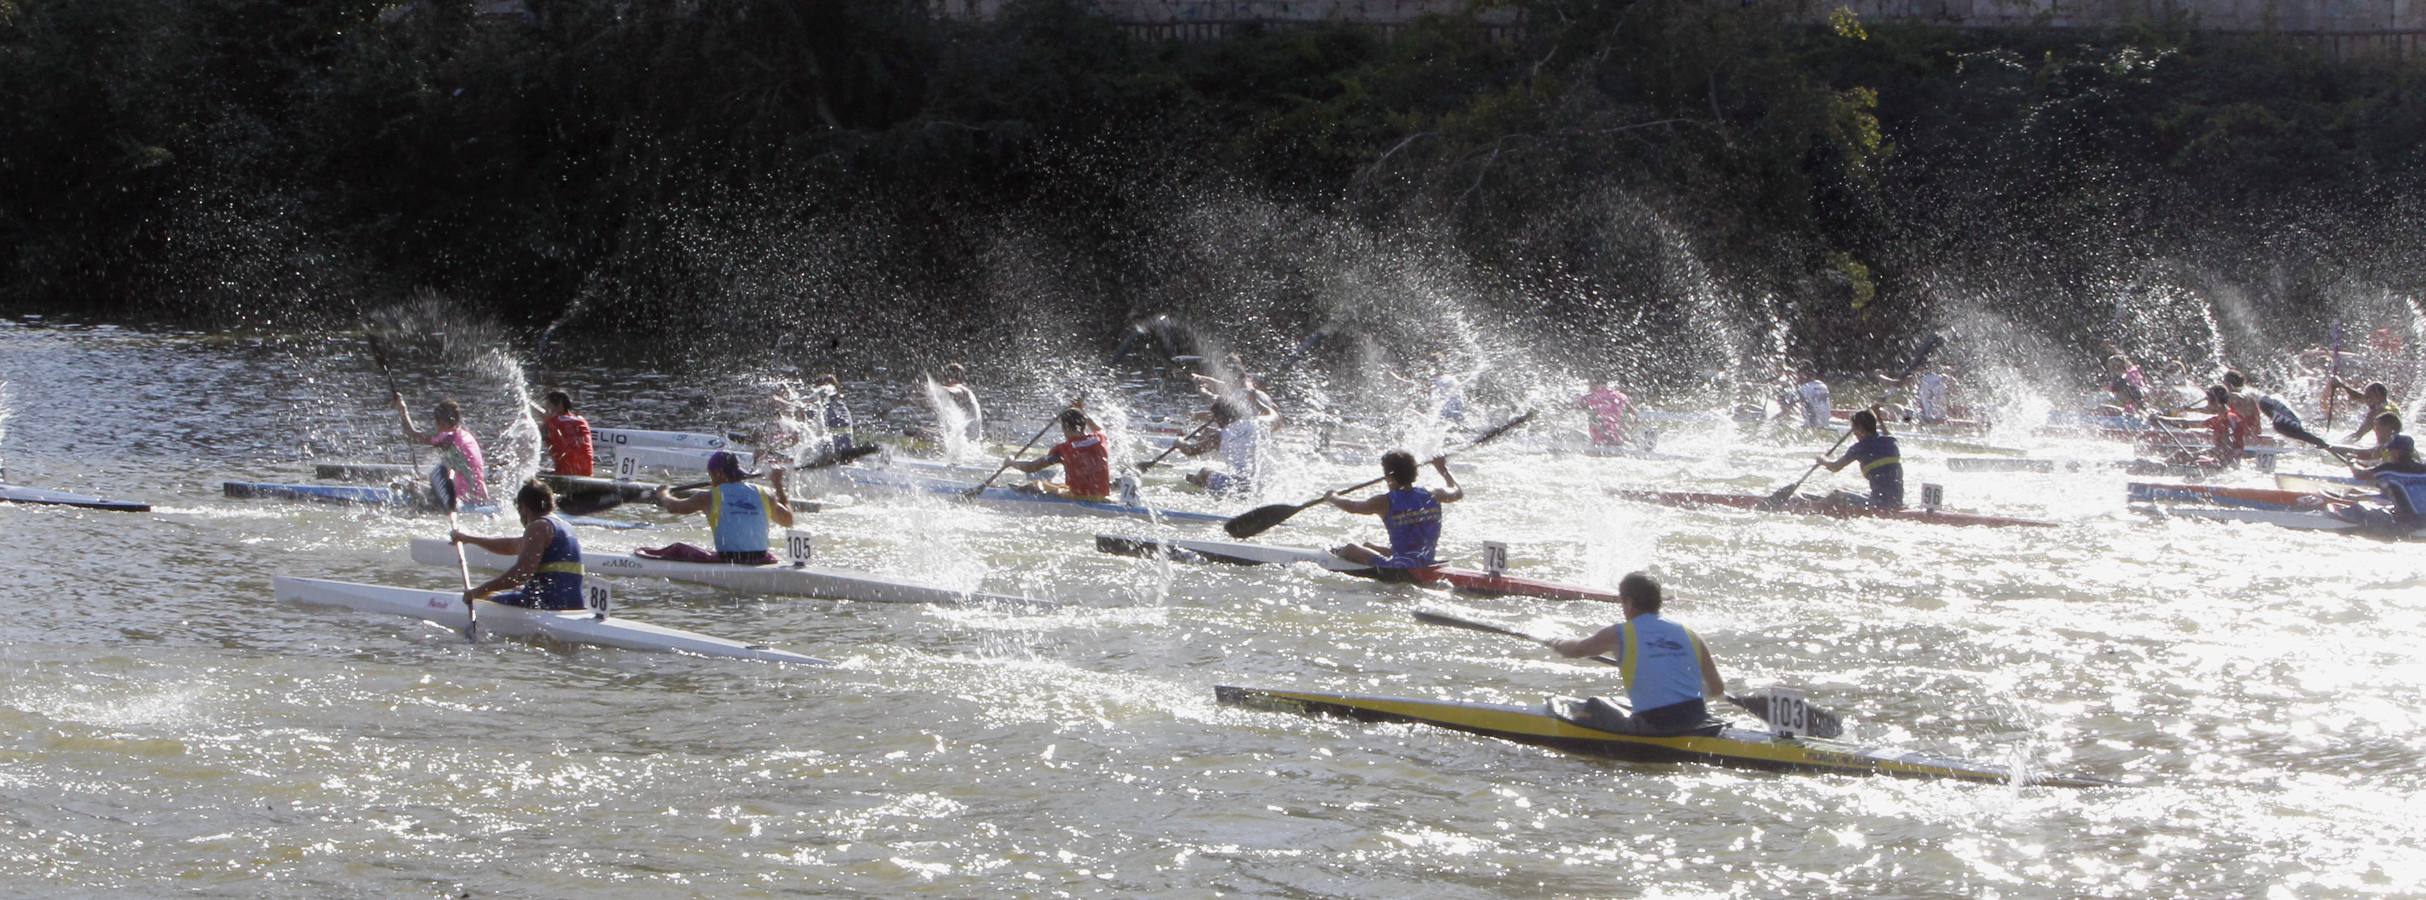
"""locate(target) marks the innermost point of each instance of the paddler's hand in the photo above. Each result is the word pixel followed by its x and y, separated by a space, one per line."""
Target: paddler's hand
pixel 396 399
pixel 456 537
pixel 470 595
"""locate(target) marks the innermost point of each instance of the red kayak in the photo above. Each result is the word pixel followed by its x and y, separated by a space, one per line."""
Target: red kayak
pixel 1833 510
pixel 2241 497
pixel 1470 581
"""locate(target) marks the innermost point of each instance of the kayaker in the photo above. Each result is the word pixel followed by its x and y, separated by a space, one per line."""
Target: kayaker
pixel 963 403
pixel 1409 513
pixel 739 514
pixel 546 573
pixel 1667 670
pixel 1241 439
pixel 1611 411
pixel 2256 405
pixel 1812 397
pixel 1882 463
pixel 2387 429
pixel 458 448
pixel 1932 394
pixel 2400 478
pixel 2378 399
pixel 2124 382
pixel 835 414
pixel 1241 383
pixel 2229 432
pixel 567 435
pixel 1084 456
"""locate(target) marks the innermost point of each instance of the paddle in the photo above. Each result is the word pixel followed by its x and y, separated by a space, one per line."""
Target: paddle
pixel 1261 519
pixel 379 358
pixel 1786 493
pixel 1175 445
pixel 1023 450
pixel 593 503
pixel 1822 723
pixel 443 482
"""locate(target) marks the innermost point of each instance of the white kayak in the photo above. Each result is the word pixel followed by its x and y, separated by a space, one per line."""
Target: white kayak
pixel 602 438
pixel 571 626
pixel 856 477
pixel 2299 520
pixel 786 578
pixel 669 459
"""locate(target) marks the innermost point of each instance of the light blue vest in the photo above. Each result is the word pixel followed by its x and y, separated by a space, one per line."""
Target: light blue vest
pixel 738 515
pixel 1661 662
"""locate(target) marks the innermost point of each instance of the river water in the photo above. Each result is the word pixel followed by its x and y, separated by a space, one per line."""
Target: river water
pixel 166 726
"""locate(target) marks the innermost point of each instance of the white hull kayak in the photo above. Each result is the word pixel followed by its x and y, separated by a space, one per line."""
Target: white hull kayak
pixel 787 579
pixel 570 626
pixel 604 438
pixel 670 459
pixel 2298 520
pixel 40 497
pixel 849 477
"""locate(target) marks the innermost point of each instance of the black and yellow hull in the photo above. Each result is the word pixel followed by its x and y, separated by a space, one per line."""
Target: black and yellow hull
pixel 1738 747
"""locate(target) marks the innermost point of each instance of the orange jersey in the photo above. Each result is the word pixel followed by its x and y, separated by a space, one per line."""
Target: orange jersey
pixel 568 438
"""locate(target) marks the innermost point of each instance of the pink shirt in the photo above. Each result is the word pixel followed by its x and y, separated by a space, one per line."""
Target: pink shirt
pixel 460 451
pixel 1608 408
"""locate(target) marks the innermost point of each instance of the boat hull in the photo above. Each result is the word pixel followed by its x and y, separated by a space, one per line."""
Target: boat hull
pixel 792 580
pixel 2236 497
pixel 1732 747
pixel 857 477
pixel 2297 520
pixel 446 608
pixel 1693 499
pixel 39 497
pixel 1469 581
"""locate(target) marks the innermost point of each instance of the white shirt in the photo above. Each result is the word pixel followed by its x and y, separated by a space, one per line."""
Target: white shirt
pixel 1816 410
pixel 1931 397
pixel 1242 445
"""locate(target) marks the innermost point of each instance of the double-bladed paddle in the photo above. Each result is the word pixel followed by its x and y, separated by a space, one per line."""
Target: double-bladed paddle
pixel 1023 451
pixel 1261 519
pixel 1822 723
pixel 589 504
pixel 1174 448
pixel 1787 493
pixel 379 358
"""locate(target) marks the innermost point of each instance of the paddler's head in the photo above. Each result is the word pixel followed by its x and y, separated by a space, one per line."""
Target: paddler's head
pixel 2218 397
pixel 2117 364
pixel 1865 423
pixel 828 384
pixel 2376 393
pixel 2402 449
pixel 952 373
pixel 2234 380
pixel 1639 593
pixel 449 415
pixel 2387 427
pixel 1398 467
pixel 1073 423
pixel 534 501
pixel 559 403
pixel 725 468
pixel 1227 410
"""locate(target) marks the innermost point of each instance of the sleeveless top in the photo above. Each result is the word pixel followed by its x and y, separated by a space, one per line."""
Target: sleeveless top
pixel 737 515
pixel 1882 463
pixel 1660 661
pixel 1608 407
pixel 1414 526
pixel 558 583
pixel 1086 465
pixel 1930 397
pixel 459 451
pixel 569 445
pixel 1242 448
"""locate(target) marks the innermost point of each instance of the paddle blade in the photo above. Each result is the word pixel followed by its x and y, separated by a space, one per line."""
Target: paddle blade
pixel 1260 519
pixel 1429 617
pixel 1504 428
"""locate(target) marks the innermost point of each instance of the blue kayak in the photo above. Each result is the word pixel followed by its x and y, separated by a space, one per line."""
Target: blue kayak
pixel 39 497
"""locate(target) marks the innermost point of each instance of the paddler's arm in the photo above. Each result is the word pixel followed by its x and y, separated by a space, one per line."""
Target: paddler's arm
pixel 1370 506
pixel 779 507
pixel 535 538
pixel 1450 492
pixel 502 546
pixel 681 505
pixel 1713 686
pixel 1837 464
pixel 397 400
pixel 1036 465
pixel 1605 640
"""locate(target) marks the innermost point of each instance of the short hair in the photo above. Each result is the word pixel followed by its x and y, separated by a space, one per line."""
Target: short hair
pixel 1641 590
pixel 828 378
pixel 1865 420
pixel 1074 419
pixel 2235 380
pixel 2388 418
pixel 562 399
pixel 449 413
pixel 2217 394
pixel 536 495
pixel 1399 466
pixel 1228 409
pixel 2377 388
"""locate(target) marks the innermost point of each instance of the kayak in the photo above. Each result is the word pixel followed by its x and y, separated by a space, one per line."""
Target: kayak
pixel 1953 445
pixel 1806 506
pixel 561 484
pixel 364 471
pixel 578 626
pixel 789 579
pixel 40 497
pixel 362 495
pixel 674 459
pixel 2147 467
pixel 2197 439
pixel 1541 725
pixel 2313 483
pixel 603 438
pixel 1004 498
pixel 2298 520
pixel 1469 581
pixel 2239 497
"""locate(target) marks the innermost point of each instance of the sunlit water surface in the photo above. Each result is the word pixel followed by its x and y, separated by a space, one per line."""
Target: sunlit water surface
pixel 166 726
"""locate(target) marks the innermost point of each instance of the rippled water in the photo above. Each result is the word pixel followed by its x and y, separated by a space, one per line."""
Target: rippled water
pixel 166 726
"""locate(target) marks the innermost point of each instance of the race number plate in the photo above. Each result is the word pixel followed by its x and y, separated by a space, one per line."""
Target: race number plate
pixel 796 546
pixel 1495 557
pixel 1933 495
pixel 627 467
pixel 1789 714
pixel 599 595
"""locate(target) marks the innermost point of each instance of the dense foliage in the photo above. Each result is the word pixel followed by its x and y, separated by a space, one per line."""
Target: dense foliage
pixel 712 163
